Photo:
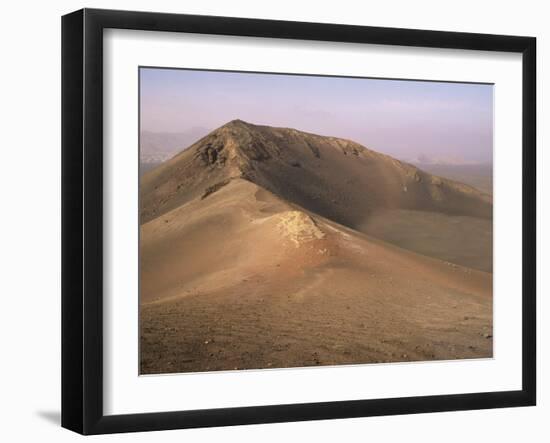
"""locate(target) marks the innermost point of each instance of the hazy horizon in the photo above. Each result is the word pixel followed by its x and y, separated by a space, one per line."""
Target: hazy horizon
pixel 434 121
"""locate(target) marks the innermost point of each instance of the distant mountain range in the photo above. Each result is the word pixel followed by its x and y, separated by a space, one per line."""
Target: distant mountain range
pixel 157 147
pixel 444 161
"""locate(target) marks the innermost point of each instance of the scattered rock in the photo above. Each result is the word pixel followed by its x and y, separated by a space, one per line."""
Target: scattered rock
pixel 299 227
pixel 212 154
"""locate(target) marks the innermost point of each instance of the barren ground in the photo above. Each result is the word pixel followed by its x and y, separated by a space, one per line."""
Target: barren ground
pixel 242 279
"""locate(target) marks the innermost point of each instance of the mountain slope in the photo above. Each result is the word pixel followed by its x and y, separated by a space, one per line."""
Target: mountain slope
pixel 245 279
pixel 336 178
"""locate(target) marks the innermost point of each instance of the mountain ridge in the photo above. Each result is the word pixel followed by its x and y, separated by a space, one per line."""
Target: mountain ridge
pixel 334 177
pixel 267 247
pixel 243 279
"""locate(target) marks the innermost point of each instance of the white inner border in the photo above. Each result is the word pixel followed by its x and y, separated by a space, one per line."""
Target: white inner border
pixel 126 392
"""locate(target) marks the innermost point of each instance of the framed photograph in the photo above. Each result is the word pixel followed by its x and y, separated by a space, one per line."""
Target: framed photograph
pixel 269 221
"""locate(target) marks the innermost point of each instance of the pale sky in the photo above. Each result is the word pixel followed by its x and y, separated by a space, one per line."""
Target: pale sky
pixel 405 119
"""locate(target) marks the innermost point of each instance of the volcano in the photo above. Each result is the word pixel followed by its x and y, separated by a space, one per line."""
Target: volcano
pixel 270 247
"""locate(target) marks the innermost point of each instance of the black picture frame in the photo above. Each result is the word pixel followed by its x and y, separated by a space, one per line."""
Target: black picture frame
pixel 82 218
